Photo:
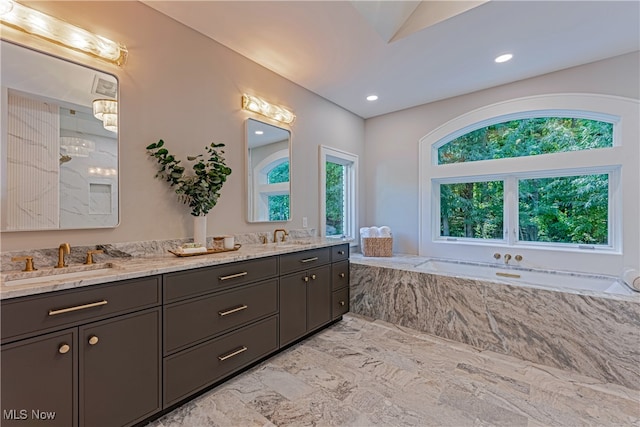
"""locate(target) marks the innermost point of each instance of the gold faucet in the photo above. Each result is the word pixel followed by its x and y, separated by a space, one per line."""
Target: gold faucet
pixel 284 235
pixel 62 250
pixel 90 255
pixel 507 257
pixel 29 262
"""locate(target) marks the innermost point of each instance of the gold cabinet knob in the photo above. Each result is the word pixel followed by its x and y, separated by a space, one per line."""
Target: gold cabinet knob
pixel 313 277
pixel 342 303
pixel 305 278
pixel 340 252
pixel 342 275
pixel 93 340
pixel 64 348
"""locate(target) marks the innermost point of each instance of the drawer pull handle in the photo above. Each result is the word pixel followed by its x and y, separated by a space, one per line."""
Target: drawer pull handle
pixel 233 310
pixel 342 303
pixel 340 252
pixel 64 348
pixel 315 258
pixel 77 307
pixel 233 353
pixel 233 276
pixel 93 340
pixel 342 275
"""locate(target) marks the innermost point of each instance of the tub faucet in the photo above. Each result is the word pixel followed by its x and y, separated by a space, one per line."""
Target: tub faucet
pixel 62 250
pixel 507 257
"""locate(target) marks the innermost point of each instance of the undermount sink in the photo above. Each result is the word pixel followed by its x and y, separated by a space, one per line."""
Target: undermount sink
pixel 49 274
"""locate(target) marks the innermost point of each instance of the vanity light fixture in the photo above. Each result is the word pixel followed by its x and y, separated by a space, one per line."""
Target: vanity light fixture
pixel 260 106
pixel 77 147
pixel 106 110
pixel 54 30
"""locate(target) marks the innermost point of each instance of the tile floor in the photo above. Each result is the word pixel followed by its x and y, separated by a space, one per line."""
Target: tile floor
pixel 371 373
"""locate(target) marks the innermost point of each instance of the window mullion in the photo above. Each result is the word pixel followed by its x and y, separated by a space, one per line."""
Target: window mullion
pixel 511 210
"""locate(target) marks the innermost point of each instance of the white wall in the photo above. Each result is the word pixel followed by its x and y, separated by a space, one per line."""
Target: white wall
pixel 185 88
pixel 391 156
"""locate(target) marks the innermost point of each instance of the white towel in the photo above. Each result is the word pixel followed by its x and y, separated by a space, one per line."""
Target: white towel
pixel 364 232
pixel 385 231
pixel 374 232
pixel 632 278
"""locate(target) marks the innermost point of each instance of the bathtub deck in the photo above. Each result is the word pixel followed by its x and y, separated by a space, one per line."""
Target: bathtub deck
pixel 364 373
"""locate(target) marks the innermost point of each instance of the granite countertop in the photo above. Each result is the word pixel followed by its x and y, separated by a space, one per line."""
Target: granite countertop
pixel 130 268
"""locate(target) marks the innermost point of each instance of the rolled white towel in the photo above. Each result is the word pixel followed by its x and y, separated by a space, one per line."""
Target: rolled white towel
pixel 364 232
pixel 632 278
pixel 374 232
pixel 192 249
pixel 385 231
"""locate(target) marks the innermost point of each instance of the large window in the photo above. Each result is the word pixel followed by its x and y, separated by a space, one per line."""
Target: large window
pixel 338 184
pixel 535 182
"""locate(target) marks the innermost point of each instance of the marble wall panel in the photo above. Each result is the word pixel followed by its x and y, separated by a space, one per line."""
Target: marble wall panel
pixel 594 336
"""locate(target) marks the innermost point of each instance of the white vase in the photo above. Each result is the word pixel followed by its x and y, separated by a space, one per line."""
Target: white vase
pixel 200 230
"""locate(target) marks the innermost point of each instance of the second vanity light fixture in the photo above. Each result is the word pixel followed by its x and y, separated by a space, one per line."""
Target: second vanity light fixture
pixel 106 110
pixel 54 30
pixel 260 106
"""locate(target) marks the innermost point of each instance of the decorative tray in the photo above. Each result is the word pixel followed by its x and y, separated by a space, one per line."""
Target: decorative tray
pixel 209 251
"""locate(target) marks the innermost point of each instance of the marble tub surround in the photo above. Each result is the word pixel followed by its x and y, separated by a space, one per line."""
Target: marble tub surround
pixel 360 372
pixel 140 259
pixel 595 335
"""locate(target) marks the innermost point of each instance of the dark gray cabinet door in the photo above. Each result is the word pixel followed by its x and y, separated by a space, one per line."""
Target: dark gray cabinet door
pixel 293 307
pixel 38 381
pixel 305 302
pixel 318 297
pixel 120 369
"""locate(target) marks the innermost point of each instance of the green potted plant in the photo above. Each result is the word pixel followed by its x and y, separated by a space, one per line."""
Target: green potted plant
pixel 199 189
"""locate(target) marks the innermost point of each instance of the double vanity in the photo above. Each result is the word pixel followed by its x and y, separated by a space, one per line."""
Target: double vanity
pixel 139 337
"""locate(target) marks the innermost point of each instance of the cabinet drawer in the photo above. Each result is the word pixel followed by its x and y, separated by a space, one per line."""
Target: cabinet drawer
pixel 340 252
pixel 339 275
pixel 193 369
pixel 304 260
pixel 64 308
pixel 340 304
pixel 204 280
pixel 194 320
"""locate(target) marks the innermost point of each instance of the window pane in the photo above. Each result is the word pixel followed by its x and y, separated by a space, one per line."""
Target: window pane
pixel 279 174
pixel 279 208
pixel 527 137
pixel 472 209
pixel 335 202
pixel 571 209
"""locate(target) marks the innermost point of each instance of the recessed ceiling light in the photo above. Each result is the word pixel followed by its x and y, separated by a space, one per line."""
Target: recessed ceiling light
pixel 503 58
pixel 372 97
pixel 259 132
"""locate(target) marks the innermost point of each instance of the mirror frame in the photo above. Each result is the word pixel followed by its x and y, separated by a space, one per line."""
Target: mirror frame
pixel 249 176
pixel 64 104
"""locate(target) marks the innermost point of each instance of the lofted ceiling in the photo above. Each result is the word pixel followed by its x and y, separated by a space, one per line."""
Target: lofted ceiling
pixel 411 53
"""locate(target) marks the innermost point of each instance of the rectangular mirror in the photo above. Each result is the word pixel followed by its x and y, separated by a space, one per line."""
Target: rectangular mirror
pixel 268 151
pixel 59 163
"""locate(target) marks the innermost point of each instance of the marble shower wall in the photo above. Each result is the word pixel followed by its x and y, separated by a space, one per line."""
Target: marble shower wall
pixel 598 337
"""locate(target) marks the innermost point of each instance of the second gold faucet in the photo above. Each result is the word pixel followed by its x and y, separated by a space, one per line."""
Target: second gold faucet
pixel 62 250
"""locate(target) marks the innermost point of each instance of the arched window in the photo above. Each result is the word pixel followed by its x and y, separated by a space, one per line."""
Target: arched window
pixel 271 179
pixel 534 181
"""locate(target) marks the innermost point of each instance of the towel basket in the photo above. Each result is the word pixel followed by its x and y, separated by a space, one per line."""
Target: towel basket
pixel 377 246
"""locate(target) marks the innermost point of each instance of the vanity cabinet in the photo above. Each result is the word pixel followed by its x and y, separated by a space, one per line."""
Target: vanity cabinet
pixel 86 357
pixel 119 353
pixel 305 293
pixel 217 320
pixel 339 281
